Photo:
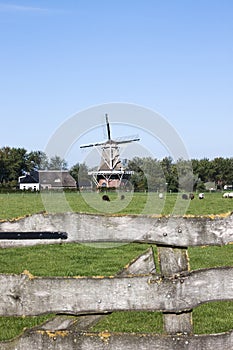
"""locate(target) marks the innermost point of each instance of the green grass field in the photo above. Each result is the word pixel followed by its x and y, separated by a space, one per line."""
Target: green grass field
pixel 15 205
pixel 89 261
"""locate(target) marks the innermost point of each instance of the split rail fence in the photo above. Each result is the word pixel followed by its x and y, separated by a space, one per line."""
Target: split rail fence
pixel 175 291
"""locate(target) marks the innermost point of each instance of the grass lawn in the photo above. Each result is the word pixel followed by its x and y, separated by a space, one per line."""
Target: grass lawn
pixel 15 205
pixel 74 259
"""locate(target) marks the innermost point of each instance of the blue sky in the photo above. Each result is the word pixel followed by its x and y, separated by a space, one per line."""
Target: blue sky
pixel 172 56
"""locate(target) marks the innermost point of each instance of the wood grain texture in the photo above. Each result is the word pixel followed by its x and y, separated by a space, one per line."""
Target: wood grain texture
pixel 143 264
pixel 169 231
pixel 174 261
pixel 24 295
pixel 63 340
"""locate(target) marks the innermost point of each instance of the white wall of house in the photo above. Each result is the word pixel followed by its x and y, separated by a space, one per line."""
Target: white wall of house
pixel 46 186
pixel 29 186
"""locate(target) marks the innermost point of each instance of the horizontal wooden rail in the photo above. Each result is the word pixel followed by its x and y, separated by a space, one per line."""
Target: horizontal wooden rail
pixel 175 292
pixel 65 340
pixel 26 295
pixel 168 231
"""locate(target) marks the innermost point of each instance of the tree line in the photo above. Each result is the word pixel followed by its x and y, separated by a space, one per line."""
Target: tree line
pixel 15 162
pixel 166 175
pixel 149 173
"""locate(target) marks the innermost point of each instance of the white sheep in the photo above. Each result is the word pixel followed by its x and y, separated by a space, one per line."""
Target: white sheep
pixel 228 195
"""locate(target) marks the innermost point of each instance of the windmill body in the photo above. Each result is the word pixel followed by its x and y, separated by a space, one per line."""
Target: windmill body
pixel 110 172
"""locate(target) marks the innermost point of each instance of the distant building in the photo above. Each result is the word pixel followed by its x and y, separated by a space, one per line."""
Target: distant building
pixel 47 180
pixel 210 186
pixel 28 182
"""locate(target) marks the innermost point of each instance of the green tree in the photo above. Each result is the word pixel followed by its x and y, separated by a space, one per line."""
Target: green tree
pixel 173 180
pixel 186 177
pixel 202 168
pixel 80 173
pixel 222 171
pixel 57 163
pixel 138 178
pixel 13 163
pixel 148 174
pixel 218 170
pixel 155 176
pixel 228 175
pixel 37 160
pixel 171 174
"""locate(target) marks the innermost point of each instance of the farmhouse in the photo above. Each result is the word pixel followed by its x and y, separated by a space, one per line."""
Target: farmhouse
pixel 47 180
pixel 28 182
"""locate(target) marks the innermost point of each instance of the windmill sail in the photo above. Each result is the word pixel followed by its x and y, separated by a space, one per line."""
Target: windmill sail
pixel 108 127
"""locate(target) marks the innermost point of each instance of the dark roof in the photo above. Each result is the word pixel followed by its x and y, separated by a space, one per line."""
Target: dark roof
pixel 56 178
pixel 28 179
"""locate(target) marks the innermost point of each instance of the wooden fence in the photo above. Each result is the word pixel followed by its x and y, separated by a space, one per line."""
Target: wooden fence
pixel 175 291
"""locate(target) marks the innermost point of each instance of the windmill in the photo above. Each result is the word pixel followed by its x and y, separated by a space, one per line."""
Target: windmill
pixel 110 172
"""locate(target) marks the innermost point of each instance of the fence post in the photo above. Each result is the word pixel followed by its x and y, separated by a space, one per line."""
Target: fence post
pixel 172 262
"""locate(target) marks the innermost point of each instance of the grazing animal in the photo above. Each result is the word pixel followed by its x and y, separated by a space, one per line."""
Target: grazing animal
pixel 122 197
pixel 161 196
pixel 184 196
pixel 106 198
pixel 191 196
pixel 228 195
pixel 201 196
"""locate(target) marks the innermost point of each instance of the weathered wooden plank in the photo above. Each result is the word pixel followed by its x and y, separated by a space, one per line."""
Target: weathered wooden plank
pixel 70 323
pixel 170 231
pixel 178 323
pixel 25 295
pixel 63 340
pixel 143 264
pixel 59 322
pixel 174 261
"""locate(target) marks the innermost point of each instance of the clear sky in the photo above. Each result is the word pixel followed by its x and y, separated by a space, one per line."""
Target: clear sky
pixel 59 57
